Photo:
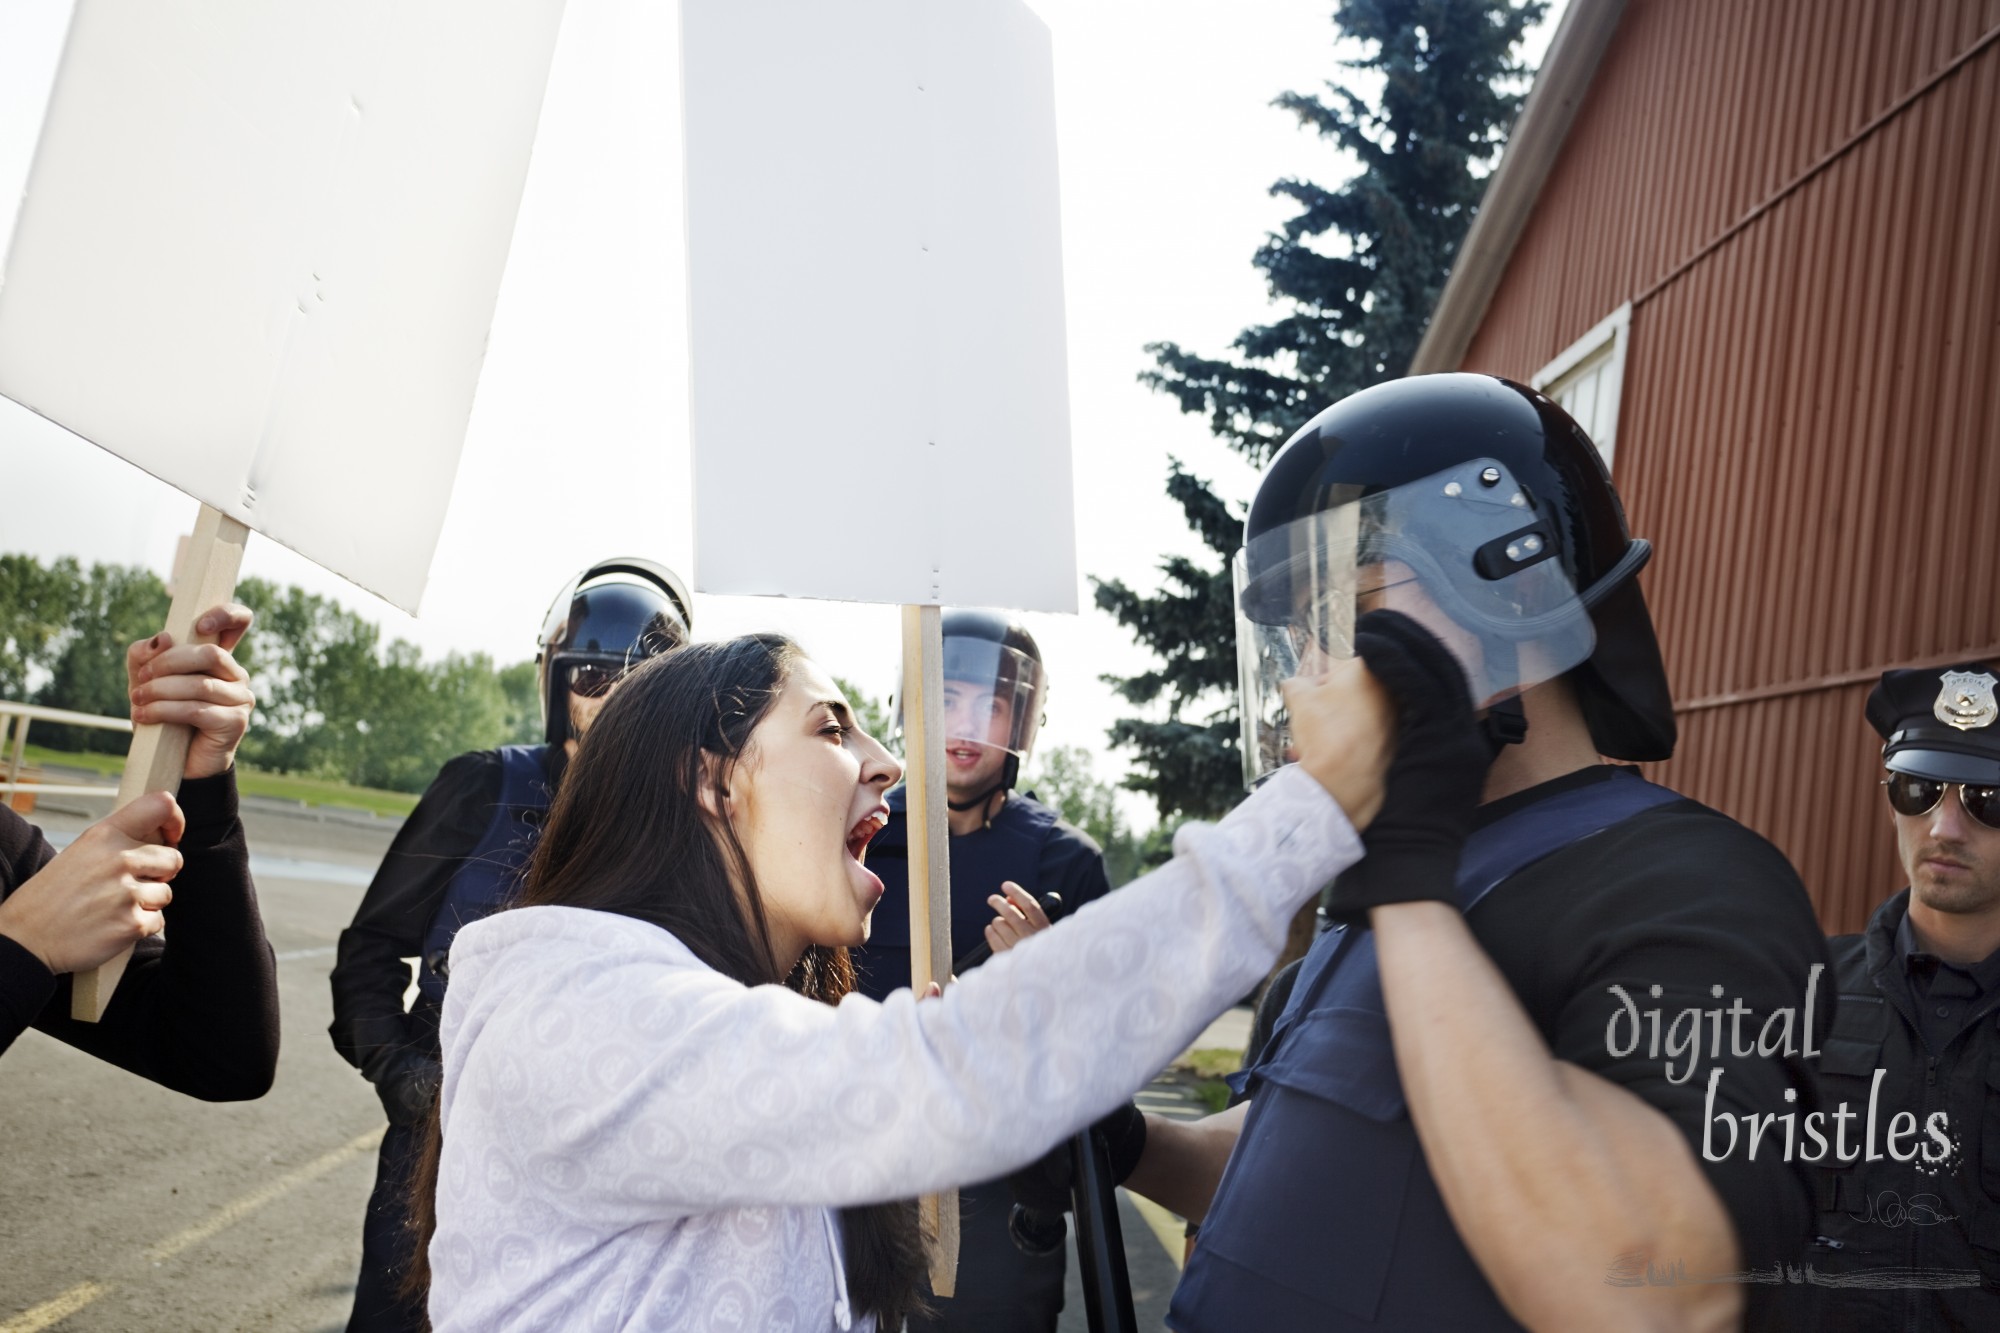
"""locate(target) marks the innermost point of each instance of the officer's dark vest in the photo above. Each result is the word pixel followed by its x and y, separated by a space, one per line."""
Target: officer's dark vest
pixel 492 870
pixel 1328 1218
pixel 1904 1215
pixel 1008 849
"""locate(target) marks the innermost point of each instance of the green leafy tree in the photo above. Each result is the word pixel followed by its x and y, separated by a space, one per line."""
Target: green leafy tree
pixel 1064 779
pixel 311 667
pixel 872 713
pixel 1358 268
pixel 334 702
pixel 113 606
pixel 410 717
pixel 521 686
pixel 36 604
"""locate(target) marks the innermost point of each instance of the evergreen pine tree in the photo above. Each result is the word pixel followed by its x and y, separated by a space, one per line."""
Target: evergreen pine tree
pixel 1361 266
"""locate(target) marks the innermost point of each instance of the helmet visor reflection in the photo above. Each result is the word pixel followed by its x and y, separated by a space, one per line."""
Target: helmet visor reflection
pixel 1463 552
pixel 994 695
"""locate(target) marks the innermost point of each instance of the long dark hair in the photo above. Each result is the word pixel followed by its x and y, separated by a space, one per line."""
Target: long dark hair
pixel 629 833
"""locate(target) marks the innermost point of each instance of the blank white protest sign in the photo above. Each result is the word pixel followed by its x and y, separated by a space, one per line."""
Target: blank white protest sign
pixel 879 379
pixel 260 248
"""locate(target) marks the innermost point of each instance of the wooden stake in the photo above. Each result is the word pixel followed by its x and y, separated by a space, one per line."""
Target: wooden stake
pixel 926 820
pixel 206 577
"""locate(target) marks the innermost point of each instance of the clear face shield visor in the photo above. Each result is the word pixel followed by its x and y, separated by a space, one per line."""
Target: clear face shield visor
pixel 1462 552
pixel 993 696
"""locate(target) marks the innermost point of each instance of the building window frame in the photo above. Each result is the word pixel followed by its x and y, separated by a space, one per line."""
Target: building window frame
pixel 1602 348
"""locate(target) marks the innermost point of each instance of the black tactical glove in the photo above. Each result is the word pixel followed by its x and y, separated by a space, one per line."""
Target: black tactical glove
pixel 1435 779
pixel 1045 1185
pixel 407 1084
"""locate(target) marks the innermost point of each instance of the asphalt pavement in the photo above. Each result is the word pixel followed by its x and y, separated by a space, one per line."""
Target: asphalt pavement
pixel 129 1207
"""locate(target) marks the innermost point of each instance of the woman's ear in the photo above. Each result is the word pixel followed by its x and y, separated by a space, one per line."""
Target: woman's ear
pixel 714 792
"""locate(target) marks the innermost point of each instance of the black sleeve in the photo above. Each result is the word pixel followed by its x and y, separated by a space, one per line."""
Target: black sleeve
pixel 369 978
pixel 197 1010
pixel 1691 903
pixel 25 985
pixel 1073 866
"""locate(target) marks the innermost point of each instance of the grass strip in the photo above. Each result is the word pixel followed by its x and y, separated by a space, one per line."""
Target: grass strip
pixel 251 782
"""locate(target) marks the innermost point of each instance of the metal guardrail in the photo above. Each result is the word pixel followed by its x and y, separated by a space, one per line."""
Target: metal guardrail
pixel 14 719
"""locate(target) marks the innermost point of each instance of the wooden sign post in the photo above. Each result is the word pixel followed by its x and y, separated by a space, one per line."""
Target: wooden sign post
pixel 206 578
pixel 258 256
pixel 883 172
pixel 926 822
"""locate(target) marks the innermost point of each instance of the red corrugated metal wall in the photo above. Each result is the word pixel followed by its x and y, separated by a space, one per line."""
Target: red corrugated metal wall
pixel 1802 200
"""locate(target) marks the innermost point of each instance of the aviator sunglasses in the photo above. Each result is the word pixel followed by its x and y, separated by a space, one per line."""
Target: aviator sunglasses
pixel 589 682
pixel 1912 795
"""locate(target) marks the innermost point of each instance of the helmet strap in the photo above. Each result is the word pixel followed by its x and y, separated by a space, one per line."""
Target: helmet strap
pixel 555 727
pixel 1505 724
pixel 1009 773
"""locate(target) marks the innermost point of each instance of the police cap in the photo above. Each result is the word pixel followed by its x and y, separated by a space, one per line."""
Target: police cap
pixel 1941 723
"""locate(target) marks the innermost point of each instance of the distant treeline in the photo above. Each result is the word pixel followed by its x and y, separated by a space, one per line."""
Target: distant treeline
pixel 333 701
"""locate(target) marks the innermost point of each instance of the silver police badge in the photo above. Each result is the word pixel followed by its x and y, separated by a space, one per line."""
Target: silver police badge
pixel 1966 701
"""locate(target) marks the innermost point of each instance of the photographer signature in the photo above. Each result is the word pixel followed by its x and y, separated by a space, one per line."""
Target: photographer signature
pixel 1637 1269
pixel 1888 1209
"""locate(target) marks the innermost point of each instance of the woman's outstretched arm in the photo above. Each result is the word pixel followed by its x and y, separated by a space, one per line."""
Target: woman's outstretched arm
pixel 594 1053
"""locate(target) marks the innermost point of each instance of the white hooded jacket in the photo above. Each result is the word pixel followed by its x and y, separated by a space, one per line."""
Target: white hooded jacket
pixel 634 1141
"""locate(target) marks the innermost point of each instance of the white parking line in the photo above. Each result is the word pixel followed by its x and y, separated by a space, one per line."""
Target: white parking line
pixel 58 1308
pixel 54 1310
pixel 235 1212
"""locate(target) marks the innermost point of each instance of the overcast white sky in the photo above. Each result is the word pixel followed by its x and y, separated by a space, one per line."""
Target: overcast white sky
pixel 578 440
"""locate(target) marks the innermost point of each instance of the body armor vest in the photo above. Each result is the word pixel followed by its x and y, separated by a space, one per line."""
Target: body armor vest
pixel 492 870
pixel 1930 1233
pixel 1008 849
pixel 1328 1218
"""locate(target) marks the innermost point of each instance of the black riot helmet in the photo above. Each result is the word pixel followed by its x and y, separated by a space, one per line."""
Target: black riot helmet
pixel 992 670
pixel 616 613
pixel 1489 499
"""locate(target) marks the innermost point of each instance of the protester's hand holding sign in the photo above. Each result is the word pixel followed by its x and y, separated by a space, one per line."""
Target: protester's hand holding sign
pixel 201 282
pixel 103 893
pixel 198 1013
pixel 107 890
pixel 198 685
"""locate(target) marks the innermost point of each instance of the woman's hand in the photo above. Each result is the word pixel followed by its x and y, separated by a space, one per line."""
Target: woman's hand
pixel 1342 725
pixel 103 893
pixel 1016 915
pixel 199 685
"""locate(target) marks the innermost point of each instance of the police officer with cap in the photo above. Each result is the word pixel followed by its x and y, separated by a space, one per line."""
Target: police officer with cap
pixel 1917 1033
pixel 1445 1131
pixel 456 859
pixel 1007 850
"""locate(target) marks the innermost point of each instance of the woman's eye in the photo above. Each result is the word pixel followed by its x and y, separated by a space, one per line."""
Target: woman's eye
pixel 835 730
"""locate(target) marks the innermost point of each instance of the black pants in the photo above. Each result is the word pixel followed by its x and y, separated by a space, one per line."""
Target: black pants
pixel 385 1244
pixel 1000 1289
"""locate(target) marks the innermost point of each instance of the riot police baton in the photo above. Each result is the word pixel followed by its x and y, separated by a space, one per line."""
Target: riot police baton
pixel 1052 908
pixel 1100 1243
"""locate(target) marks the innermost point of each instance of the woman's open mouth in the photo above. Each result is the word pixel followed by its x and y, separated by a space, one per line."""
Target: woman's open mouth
pixel 864 832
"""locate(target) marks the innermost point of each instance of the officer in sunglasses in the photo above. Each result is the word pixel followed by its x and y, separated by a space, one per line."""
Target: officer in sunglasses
pixel 1918 1026
pixel 456 859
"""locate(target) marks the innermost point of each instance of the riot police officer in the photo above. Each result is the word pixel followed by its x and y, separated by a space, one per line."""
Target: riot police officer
pixel 1915 1050
pixel 456 859
pixel 1443 1131
pixel 994 692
